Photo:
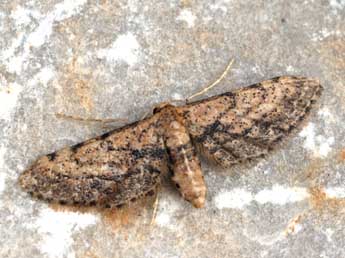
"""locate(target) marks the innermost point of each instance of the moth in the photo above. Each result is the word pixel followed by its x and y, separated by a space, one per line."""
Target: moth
pixel 127 163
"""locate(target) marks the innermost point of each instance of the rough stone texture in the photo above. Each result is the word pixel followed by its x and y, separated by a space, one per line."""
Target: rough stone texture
pixel 104 59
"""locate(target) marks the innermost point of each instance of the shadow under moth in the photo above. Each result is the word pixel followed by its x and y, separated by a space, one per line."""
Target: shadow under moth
pixel 127 163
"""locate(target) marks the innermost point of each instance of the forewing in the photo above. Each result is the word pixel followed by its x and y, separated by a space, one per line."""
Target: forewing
pixel 108 170
pixel 248 123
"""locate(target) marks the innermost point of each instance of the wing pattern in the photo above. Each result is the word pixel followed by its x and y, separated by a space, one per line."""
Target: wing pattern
pixel 108 170
pixel 248 123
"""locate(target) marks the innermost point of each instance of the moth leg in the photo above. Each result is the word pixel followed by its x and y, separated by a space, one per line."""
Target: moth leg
pixel 185 165
pixel 155 208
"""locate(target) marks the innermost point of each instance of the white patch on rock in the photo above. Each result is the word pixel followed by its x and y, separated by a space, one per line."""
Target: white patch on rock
pixel 10 58
pixel 326 115
pixel 325 33
pixel 16 56
pixel 319 145
pixel 57 228
pixel 235 199
pixel 329 234
pixel 188 17
pixel 335 192
pixel 8 98
pixel 42 33
pixel 220 4
pixel 177 96
pixel 15 64
pixel 337 4
pixel 281 195
pixel 61 11
pixel 277 195
pixel 43 76
pixel 290 69
pixel 125 48
pixel 163 219
pixel 22 16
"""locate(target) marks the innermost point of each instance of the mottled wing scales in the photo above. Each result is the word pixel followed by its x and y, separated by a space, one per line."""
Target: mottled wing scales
pixel 248 123
pixel 107 171
pixel 126 163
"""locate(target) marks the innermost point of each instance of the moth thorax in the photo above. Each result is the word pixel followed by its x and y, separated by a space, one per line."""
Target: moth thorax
pixel 161 106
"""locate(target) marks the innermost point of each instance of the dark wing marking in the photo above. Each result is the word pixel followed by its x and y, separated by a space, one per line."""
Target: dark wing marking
pixel 247 123
pixel 108 170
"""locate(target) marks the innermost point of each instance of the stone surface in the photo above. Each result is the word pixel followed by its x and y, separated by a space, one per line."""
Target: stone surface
pixel 117 59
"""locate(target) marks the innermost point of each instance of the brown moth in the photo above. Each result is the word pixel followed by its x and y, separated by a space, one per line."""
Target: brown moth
pixel 126 163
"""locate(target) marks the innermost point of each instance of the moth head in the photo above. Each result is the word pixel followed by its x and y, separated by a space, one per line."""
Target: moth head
pixel 161 106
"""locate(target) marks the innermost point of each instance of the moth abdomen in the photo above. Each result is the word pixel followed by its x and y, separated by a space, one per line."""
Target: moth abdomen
pixel 185 164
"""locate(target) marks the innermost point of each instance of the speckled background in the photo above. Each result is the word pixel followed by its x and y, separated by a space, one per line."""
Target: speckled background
pixel 117 59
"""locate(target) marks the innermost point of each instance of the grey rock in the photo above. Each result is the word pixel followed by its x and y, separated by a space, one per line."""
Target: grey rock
pixel 117 59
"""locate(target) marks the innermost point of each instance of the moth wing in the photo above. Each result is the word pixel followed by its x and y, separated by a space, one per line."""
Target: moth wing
pixel 247 123
pixel 108 170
